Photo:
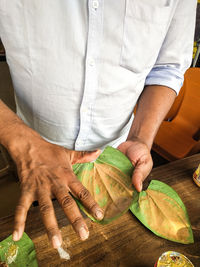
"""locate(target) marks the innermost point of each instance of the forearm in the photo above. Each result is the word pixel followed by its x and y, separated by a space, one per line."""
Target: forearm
pixel 12 129
pixel 153 105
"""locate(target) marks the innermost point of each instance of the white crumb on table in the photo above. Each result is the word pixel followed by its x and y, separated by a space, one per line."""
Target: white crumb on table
pixel 63 254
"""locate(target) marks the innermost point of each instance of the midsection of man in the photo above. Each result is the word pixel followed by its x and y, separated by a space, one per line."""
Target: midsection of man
pixel 78 67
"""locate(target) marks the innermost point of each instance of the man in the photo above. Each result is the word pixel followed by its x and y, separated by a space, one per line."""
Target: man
pixel 78 69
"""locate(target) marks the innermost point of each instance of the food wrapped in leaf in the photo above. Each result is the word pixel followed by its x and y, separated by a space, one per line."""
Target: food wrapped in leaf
pixel 108 179
pixel 161 210
pixel 18 254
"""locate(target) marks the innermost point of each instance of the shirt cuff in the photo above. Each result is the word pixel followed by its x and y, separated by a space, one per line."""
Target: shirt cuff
pixel 168 76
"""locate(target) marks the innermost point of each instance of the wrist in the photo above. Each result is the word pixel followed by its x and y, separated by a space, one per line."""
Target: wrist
pixel 140 137
pixel 17 136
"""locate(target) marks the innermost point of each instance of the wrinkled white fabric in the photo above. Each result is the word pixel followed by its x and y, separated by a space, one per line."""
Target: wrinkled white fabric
pixel 78 67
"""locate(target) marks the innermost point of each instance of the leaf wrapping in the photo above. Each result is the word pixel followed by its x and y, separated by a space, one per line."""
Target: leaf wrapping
pixel 18 254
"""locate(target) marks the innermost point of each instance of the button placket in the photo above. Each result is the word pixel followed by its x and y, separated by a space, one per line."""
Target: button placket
pixel 91 76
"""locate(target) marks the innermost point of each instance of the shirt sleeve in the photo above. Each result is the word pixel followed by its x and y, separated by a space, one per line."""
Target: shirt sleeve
pixel 175 55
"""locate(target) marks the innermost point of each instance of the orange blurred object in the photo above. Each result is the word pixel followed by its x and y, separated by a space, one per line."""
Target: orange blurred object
pixel 180 136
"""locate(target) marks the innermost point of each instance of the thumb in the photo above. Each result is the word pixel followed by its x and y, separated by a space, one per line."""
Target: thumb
pixel 140 173
pixel 83 156
pixel 137 179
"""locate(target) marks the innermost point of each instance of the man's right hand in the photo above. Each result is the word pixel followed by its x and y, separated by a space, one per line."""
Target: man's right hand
pixel 45 171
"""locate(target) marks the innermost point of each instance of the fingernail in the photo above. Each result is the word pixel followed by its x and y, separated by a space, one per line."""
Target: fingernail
pixel 56 242
pixel 15 236
pixel 83 233
pixel 99 214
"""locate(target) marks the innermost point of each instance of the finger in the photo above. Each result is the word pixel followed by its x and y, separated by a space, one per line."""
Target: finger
pixel 80 192
pixel 49 219
pixel 141 171
pixel 21 210
pixel 73 213
pixel 83 156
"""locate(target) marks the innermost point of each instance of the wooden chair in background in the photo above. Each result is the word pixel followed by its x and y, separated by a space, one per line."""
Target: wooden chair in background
pixel 179 134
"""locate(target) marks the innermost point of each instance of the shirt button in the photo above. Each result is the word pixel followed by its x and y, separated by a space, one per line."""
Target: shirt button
pixel 79 143
pixel 85 109
pixel 91 62
pixel 95 4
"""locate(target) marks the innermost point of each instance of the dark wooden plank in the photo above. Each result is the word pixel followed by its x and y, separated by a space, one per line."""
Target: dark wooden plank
pixel 124 242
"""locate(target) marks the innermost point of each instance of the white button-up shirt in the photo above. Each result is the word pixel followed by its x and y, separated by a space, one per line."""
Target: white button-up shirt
pixel 79 66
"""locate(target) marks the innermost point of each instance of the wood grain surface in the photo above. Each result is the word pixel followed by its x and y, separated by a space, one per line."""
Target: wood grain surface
pixel 124 242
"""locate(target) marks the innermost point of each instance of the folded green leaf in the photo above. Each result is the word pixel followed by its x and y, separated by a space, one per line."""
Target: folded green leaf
pixel 109 181
pixel 18 254
pixel 161 210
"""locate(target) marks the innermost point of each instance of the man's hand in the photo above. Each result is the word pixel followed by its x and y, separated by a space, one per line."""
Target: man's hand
pixel 139 154
pixel 45 171
pixel 152 107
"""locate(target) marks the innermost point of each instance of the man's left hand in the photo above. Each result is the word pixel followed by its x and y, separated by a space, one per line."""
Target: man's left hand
pixel 139 155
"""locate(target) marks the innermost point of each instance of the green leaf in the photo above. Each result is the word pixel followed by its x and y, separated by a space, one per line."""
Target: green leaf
pixel 18 254
pixel 109 181
pixel 161 210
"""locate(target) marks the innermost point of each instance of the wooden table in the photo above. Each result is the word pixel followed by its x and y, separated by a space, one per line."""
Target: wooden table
pixel 124 242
